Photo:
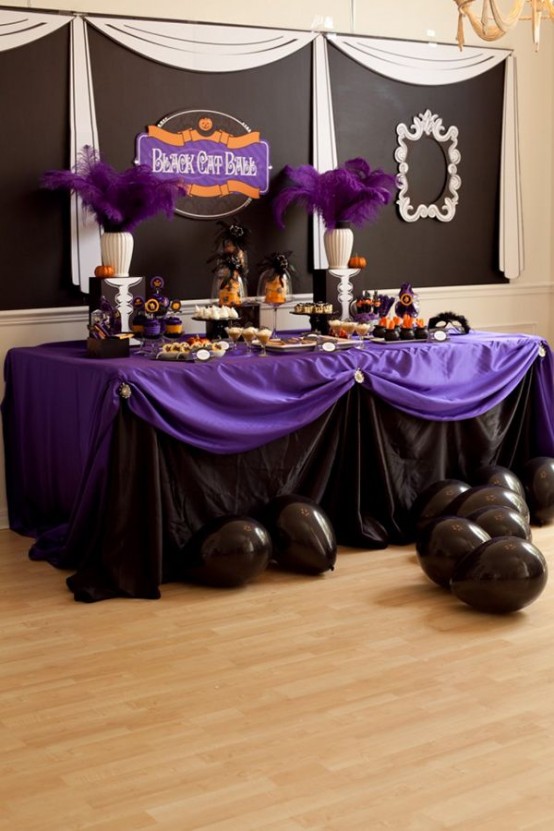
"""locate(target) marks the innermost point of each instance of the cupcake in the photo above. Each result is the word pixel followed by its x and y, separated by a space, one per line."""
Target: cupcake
pixel 152 328
pixel 173 326
pixel 137 323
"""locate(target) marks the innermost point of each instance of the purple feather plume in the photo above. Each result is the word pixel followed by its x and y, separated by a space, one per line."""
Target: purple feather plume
pixel 118 201
pixel 352 192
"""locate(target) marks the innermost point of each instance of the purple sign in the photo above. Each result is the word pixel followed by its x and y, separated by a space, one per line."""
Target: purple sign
pixel 206 164
pixel 218 157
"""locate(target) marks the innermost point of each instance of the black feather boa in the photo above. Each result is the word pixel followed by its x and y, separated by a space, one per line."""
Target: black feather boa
pixel 444 318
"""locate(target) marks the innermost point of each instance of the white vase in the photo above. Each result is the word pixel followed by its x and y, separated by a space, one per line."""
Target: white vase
pixel 116 248
pixel 338 244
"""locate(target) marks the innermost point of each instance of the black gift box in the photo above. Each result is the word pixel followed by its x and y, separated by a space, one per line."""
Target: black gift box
pixel 108 347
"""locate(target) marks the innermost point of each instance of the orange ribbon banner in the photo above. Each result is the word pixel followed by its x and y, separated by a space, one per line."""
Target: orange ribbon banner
pixel 232 186
pixel 218 136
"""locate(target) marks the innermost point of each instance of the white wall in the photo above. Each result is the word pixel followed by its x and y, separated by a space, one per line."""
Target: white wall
pixel 525 304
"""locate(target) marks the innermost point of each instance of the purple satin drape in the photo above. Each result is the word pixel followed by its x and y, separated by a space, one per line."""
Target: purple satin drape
pixel 237 403
pixel 63 403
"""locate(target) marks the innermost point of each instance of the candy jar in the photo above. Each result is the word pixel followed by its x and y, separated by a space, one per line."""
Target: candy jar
pixel 274 282
pixel 228 283
pixel 407 329
pixel 421 330
pixel 380 328
pixel 392 332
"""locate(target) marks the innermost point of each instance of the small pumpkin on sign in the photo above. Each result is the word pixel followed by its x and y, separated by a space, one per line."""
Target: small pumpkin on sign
pixel 104 271
pixel 356 261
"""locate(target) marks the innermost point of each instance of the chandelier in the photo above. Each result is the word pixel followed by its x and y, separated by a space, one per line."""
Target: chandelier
pixel 493 23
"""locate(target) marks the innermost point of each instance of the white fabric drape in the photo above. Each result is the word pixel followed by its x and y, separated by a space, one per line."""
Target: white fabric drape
pixel 17 28
pixel 511 244
pixel 324 146
pixel 85 233
pixel 425 64
pixel 200 46
pixel 433 65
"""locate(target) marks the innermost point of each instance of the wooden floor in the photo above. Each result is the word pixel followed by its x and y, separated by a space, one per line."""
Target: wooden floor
pixel 365 699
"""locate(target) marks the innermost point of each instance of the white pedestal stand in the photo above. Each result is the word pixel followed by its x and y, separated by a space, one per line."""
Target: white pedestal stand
pixel 345 288
pixel 124 300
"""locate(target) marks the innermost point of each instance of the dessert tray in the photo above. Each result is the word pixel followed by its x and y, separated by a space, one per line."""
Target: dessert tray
pixel 215 313
pixel 333 313
pixel 201 350
pixel 290 345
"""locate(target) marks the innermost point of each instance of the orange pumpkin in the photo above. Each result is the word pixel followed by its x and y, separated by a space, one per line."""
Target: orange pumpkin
pixel 357 262
pixel 104 271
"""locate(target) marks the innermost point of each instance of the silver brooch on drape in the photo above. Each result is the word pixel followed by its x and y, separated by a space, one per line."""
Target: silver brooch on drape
pixel 124 391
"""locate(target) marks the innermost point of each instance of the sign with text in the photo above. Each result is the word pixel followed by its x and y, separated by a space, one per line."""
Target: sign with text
pixel 223 162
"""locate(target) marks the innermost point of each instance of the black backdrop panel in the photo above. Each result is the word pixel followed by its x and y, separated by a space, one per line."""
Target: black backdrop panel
pixel 367 109
pixel 132 92
pixel 34 242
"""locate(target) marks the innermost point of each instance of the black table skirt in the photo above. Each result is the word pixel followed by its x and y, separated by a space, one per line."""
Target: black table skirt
pixel 363 461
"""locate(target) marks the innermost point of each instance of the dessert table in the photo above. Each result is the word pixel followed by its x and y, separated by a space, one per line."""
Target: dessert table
pixel 112 465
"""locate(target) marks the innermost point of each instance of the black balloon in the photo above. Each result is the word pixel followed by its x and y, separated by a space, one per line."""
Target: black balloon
pixel 487 496
pixel 302 535
pixel 227 551
pixel 501 521
pixel 500 576
pixel 538 479
pixel 500 476
pixel 443 542
pixel 434 500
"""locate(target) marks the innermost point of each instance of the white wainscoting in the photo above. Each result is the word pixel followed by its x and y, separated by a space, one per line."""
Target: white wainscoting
pixel 514 307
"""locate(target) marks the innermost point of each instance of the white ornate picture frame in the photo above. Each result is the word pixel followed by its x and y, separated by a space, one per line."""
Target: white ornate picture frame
pixel 428 124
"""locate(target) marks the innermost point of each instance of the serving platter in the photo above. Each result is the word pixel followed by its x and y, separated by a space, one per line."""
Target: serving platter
pixel 280 346
pixel 201 351
pixel 334 313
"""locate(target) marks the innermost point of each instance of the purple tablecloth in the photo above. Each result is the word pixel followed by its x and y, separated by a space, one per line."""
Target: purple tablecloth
pixel 60 408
